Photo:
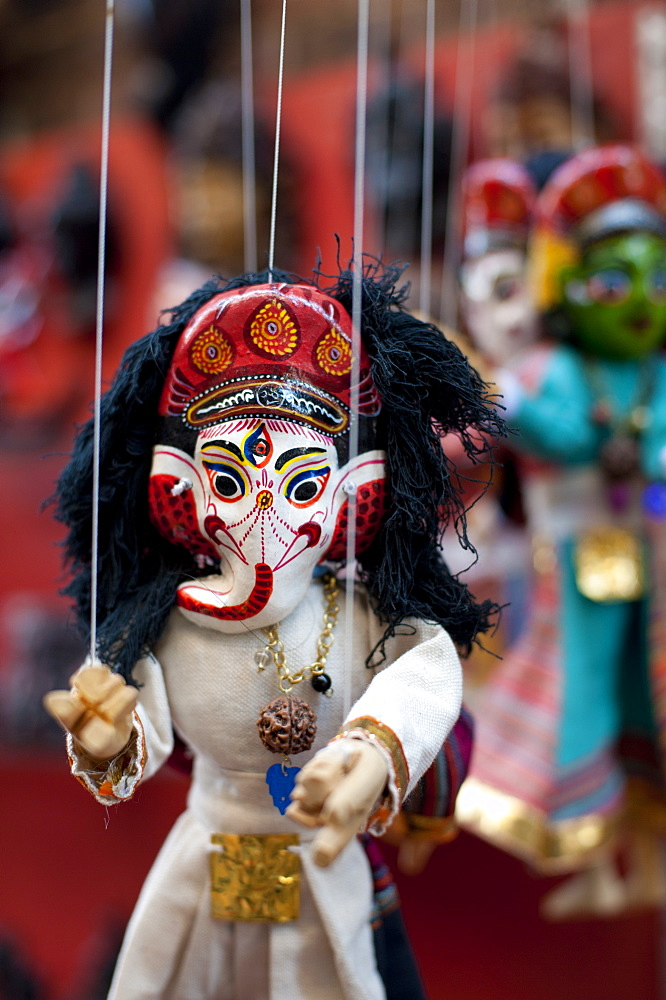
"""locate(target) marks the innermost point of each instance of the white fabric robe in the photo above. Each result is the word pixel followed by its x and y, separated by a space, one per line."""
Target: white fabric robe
pixel 205 684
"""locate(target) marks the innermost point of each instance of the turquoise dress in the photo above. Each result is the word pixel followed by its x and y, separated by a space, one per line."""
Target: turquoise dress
pixel 573 709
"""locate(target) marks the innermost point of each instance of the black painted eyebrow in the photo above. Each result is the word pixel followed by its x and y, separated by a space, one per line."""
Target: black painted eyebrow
pixel 287 456
pixel 228 445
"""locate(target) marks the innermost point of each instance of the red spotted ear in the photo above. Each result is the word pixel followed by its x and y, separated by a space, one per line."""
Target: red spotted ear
pixel 174 516
pixel 370 511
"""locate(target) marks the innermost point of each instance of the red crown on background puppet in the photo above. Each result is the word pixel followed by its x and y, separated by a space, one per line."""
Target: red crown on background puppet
pixel 604 190
pixel 283 350
pixel 498 200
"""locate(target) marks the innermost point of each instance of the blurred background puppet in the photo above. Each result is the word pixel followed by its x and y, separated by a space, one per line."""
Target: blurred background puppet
pixel 570 728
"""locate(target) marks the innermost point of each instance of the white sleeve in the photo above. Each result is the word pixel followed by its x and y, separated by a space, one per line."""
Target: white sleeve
pixel 409 708
pixel 150 744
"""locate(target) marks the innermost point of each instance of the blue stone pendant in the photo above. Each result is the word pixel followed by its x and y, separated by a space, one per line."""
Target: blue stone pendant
pixel 281 780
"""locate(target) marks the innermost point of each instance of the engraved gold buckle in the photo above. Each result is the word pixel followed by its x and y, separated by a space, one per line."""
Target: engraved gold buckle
pixel 255 877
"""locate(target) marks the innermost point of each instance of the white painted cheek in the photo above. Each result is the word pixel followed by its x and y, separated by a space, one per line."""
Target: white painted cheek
pixel 228 536
pixel 481 325
pixel 517 322
pixel 321 514
pixel 499 329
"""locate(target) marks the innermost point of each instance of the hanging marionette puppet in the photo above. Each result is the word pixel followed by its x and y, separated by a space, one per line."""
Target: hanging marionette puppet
pixel 499 317
pixel 226 479
pixel 497 306
pixel 576 708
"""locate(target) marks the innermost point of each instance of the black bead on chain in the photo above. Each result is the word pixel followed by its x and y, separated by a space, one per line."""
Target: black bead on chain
pixel 321 682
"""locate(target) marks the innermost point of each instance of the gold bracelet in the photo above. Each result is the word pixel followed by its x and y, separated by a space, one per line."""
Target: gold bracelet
pixel 378 731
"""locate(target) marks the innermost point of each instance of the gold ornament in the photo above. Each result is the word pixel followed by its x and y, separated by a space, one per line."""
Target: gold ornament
pixel 255 877
pixel 609 565
pixel 552 847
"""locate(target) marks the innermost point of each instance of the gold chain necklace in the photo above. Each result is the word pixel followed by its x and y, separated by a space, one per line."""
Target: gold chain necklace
pixel 287 724
pixel 316 671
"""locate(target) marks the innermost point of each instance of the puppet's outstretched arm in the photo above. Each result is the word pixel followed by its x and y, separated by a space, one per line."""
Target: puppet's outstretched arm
pixel 97 711
pixel 392 734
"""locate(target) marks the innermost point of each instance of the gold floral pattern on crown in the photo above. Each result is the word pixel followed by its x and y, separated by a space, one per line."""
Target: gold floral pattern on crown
pixel 273 330
pixel 211 352
pixel 333 353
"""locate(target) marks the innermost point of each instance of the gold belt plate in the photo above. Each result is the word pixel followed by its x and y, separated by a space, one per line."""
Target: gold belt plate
pixel 610 565
pixel 255 877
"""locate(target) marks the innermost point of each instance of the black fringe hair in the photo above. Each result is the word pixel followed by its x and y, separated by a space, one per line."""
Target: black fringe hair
pixel 427 388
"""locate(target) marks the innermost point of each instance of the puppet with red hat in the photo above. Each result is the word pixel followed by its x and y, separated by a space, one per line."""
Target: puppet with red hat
pixel 497 307
pixel 499 317
pixel 227 479
pixel 573 721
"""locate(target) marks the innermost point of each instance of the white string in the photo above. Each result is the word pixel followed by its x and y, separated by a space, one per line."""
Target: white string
pixel 398 121
pixel 357 294
pixel 99 317
pixel 278 119
pixel 382 47
pixel 580 74
pixel 247 117
pixel 428 144
pixel 459 149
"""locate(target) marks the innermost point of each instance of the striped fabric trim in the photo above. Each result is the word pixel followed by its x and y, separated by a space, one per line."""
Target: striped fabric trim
pixel 384 890
pixel 594 785
pixel 516 717
pixel 517 725
pixel 375 730
pixel 435 794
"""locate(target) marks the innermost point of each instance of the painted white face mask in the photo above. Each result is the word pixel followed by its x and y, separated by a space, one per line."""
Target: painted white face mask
pixel 497 305
pixel 265 499
pixel 246 475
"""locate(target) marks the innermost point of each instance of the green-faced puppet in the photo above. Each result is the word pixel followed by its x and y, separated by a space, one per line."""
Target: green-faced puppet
pixel 610 282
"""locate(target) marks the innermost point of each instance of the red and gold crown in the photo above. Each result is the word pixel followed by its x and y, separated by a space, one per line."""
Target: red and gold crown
pixel 604 190
pixel 276 350
pixel 498 200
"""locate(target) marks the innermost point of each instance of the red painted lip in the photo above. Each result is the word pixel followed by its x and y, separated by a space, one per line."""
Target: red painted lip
pixel 256 602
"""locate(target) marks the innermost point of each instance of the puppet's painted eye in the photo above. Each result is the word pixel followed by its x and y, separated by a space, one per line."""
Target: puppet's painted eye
pixel 305 491
pixel 657 286
pixel 306 486
pixel 226 482
pixel 226 486
pixel 610 287
pixel 507 286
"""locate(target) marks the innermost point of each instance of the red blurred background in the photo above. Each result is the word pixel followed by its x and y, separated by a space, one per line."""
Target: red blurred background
pixel 71 870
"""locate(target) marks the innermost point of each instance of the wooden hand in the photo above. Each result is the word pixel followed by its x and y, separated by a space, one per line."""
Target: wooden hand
pixel 97 711
pixel 337 791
